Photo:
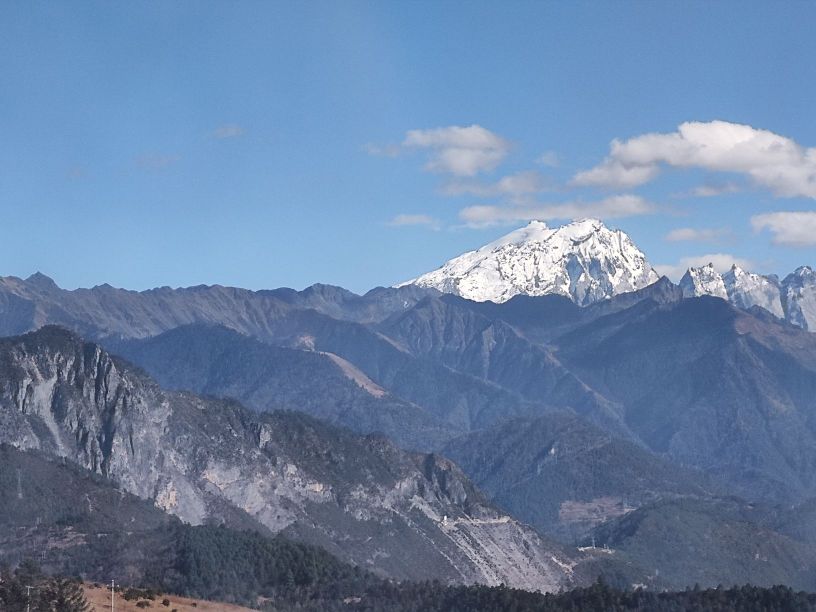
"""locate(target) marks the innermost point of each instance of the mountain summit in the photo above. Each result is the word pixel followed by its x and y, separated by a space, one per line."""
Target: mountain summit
pixel 583 260
pixel 792 299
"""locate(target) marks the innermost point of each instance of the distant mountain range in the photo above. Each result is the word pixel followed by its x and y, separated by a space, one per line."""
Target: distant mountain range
pixel 417 432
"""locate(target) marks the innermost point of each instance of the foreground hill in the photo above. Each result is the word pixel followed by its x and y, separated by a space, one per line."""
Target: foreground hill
pixel 99 597
pixel 75 522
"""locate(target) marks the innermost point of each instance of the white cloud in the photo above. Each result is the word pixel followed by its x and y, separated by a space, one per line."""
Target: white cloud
pixel 230 130
pixel 607 208
pixel 549 159
pixel 771 161
pixel 614 174
pixel 518 188
pixel 690 234
pixel 419 219
pixel 457 150
pixel 788 228
pixel 722 262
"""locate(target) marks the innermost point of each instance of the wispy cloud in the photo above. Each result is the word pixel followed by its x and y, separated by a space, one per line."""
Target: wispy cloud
pixel 156 161
pixel 711 190
pixel 691 234
pixel 229 130
pixel 549 159
pixel 416 219
pixel 796 229
pixel 771 161
pixel 458 150
pixel 389 150
pixel 518 187
pixel 721 262
pixel 607 208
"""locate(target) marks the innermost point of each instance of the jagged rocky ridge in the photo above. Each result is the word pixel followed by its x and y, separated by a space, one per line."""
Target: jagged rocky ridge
pixel 404 515
pixel 793 299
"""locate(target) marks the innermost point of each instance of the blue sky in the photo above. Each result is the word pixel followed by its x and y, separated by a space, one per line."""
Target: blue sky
pixel 282 144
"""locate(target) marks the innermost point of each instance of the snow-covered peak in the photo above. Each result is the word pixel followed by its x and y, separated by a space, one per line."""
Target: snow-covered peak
pixel 704 280
pixel 799 297
pixel 746 289
pixel 583 260
pixel 743 289
pixel 535 230
pixel 804 273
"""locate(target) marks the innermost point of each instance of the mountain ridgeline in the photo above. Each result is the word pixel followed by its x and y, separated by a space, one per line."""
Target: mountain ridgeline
pixel 537 413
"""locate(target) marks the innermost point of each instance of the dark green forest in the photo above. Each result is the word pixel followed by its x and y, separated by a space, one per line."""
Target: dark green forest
pixel 27 588
pixel 221 564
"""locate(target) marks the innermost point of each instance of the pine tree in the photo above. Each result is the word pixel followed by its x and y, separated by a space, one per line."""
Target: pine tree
pixel 64 595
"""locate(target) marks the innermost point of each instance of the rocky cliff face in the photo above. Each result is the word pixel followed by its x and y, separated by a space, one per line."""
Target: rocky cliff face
pixel 404 515
pixel 703 281
pixel 799 297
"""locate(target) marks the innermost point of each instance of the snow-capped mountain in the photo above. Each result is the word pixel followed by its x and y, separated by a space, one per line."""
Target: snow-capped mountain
pixel 799 297
pixel 746 289
pixel 743 289
pixel 794 299
pixel 703 281
pixel 583 260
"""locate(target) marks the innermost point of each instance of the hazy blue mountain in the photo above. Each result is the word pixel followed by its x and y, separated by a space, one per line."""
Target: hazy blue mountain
pixel 491 350
pixel 711 386
pixel 565 476
pixel 457 398
pixel 375 305
pixel 104 311
pixel 214 360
